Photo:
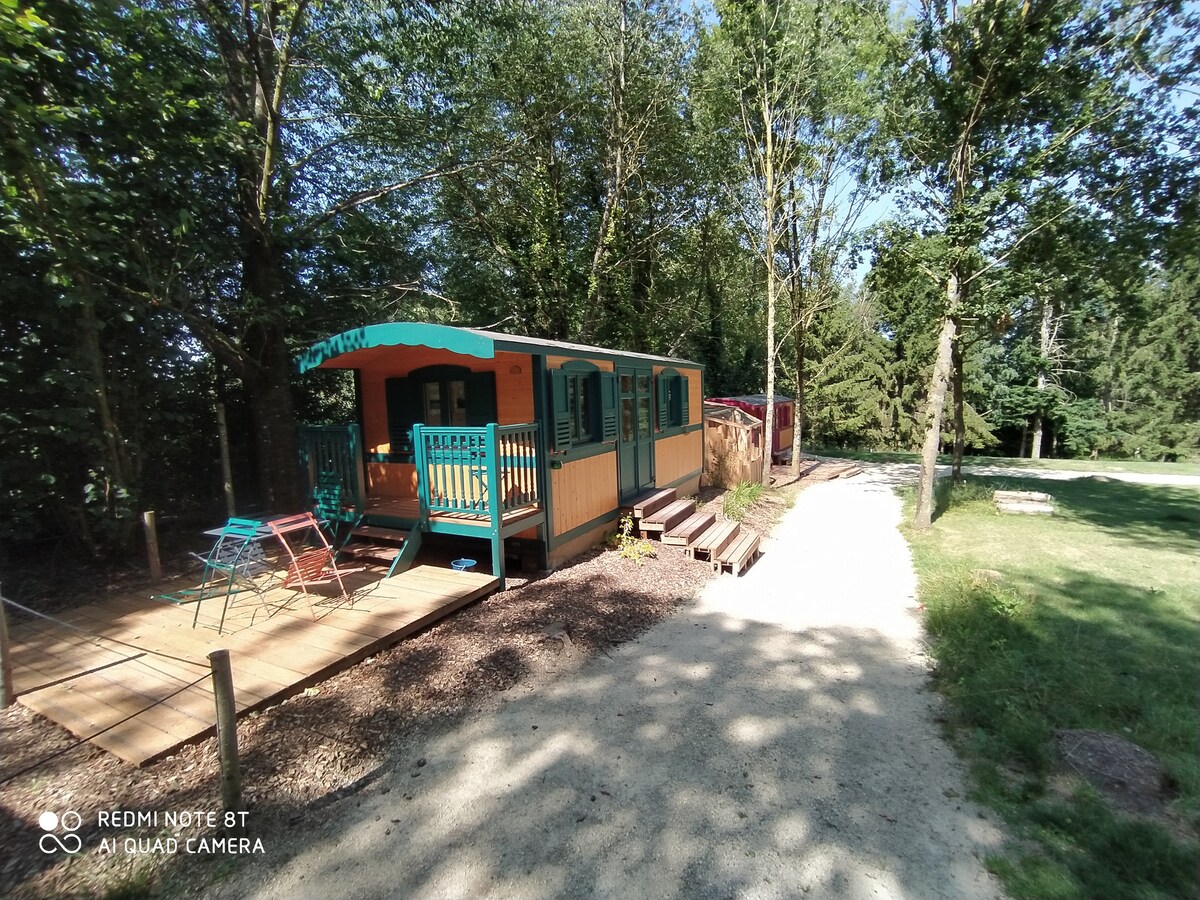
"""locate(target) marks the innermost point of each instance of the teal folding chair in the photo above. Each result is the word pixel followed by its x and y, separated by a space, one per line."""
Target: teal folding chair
pixel 234 565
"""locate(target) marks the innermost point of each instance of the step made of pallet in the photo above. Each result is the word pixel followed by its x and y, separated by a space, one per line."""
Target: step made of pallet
pixel 646 506
pixel 716 538
pixel 669 516
pixel 738 556
pixel 375 533
pixel 691 527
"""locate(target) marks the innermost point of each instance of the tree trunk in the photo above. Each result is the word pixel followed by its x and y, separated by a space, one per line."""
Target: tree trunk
pixel 936 405
pixel 960 427
pixel 267 380
pixel 798 412
pixel 1045 348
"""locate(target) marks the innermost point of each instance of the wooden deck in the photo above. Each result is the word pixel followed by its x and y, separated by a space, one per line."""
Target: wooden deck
pixel 143 700
pixel 408 509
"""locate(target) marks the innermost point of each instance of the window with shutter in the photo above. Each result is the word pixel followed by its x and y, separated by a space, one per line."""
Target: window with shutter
pixel 583 406
pixel 672 399
pixel 560 409
pixel 608 406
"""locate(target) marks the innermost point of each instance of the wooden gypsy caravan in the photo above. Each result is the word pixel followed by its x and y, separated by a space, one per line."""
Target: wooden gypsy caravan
pixel 496 436
pixel 785 415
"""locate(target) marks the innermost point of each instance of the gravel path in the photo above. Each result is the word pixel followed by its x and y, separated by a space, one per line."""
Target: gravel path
pixel 775 738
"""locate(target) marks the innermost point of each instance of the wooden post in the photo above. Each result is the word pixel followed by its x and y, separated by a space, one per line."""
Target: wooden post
pixel 231 774
pixel 149 520
pixel 7 694
pixel 226 467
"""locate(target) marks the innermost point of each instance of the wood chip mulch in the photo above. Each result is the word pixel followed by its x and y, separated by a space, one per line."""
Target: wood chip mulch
pixel 338 737
pixel 331 740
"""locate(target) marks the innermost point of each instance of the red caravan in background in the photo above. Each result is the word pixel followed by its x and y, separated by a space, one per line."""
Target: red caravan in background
pixel 785 417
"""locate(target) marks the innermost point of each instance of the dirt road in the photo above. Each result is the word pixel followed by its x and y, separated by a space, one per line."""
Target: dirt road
pixel 774 739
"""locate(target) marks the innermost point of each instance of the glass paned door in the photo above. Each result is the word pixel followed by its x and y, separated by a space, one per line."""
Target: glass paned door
pixel 635 447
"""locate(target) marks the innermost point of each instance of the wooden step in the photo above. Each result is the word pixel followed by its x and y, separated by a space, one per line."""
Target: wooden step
pixel 648 503
pixel 378 533
pixel 667 517
pixel 382 552
pixel 738 556
pixel 714 540
pixel 689 529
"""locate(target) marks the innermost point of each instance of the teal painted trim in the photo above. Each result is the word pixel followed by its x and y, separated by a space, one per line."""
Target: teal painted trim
pixel 679 429
pixel 541 412
pixel 580 365
pixel 679 481
pixel 408 553
pixel 399 334
pixel 585 353
pixel 523 525
pixel 583 451
pixel 557 540
pixel 481 529
pixel 494 501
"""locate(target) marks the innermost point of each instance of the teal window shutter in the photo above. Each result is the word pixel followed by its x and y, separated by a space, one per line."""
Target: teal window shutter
pixel 481 398
pixel 684 415
pixel 608 406
pixel 664 399
pixel 403 410
pixel 560 410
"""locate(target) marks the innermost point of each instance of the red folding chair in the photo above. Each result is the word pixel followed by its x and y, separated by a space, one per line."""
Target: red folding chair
pixel 313 565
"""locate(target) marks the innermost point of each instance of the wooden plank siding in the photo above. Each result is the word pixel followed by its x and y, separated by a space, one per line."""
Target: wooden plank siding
pixel 514 405
pixel 678 456
pixel 583 489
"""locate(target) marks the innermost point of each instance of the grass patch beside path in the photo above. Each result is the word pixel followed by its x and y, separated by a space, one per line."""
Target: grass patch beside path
pixel 1089 619
pixel 737 502
pixel 1141 467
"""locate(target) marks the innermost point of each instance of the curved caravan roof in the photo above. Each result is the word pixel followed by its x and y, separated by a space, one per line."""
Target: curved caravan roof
pixel 360 346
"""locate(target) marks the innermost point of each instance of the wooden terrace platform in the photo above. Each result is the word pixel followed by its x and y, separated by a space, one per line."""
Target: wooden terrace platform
pixel 89 685
pixel 408 509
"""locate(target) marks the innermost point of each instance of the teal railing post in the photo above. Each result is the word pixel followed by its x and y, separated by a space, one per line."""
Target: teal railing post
pixel 356 470
pixel 422 472
pixel 495 499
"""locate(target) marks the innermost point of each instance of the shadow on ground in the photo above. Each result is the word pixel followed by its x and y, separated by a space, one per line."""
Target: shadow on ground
pixel 763 762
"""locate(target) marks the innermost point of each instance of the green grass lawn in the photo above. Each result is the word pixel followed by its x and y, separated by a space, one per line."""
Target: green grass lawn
pixel 1138 466
pixel 1089 619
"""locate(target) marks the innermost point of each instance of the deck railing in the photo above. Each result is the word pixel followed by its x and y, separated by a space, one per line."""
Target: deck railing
pixel 331 456
pixel 489 470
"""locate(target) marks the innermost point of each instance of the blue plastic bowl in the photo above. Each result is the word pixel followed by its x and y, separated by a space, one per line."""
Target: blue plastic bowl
pixel 463 565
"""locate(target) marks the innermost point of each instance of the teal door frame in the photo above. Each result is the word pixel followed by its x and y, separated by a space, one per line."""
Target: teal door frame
pixel 635 430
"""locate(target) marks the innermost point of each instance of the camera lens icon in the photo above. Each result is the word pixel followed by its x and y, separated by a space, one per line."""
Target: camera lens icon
pixel 69 822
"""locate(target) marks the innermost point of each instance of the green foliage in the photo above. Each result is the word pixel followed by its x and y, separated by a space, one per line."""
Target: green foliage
pixel 1083 620
pixel 628 544
pixel 576 170
pixel 737 502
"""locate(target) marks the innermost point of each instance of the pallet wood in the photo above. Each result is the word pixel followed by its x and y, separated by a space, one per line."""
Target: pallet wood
pixel 1026 508
pixel 667 517
pixel 689 529
pixel 646 504
pixel 738 555
pixel 1021 497
pixel 714 540
pixel 89 687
